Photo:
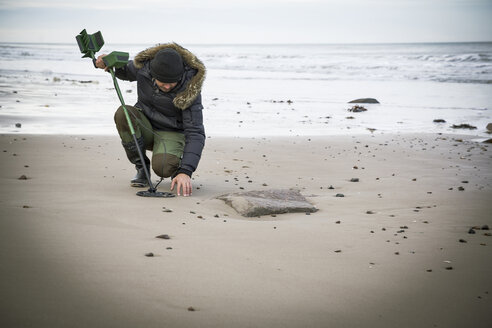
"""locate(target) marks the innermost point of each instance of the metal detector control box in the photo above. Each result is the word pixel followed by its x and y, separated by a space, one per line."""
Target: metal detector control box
pixel 89 44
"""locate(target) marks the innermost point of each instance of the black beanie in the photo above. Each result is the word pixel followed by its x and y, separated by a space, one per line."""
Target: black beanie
pixel 167 66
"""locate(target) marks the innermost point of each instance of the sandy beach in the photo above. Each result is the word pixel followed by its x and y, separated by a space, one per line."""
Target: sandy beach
pixel 388 254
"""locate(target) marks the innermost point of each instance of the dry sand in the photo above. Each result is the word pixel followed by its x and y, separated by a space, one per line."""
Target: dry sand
pixel 74 236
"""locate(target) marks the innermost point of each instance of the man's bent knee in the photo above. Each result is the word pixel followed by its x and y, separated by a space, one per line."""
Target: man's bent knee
pixel 165 165
pixel 120 118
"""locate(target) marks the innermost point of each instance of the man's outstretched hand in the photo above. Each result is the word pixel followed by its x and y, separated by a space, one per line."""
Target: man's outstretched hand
pixel 183 183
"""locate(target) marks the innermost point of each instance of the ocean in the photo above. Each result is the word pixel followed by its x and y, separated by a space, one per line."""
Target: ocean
pixel 264 90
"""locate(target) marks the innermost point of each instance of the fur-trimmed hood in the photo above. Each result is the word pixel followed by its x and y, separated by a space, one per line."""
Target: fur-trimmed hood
pixel 185 98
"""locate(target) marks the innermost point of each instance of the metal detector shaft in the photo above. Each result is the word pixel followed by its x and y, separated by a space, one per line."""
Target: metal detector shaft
pixel 116 86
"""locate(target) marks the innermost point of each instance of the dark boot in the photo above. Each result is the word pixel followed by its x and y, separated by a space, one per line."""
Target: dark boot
pixel 140 180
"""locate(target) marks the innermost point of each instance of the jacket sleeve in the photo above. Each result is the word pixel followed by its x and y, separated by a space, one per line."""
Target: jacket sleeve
pixel 194 132
pixel 127 73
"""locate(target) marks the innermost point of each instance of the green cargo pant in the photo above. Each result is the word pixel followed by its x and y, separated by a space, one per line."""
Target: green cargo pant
pixel 166 146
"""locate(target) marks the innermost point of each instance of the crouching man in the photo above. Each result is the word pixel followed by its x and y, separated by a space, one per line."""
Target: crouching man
pixel 167 117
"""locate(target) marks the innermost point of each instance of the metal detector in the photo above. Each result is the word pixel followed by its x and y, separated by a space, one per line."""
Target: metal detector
pixel 89 44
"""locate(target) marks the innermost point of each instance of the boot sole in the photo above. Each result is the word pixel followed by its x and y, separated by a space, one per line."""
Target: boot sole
pixel 139 185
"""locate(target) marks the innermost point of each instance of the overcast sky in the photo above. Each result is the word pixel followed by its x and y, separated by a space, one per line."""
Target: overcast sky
pixel 248 21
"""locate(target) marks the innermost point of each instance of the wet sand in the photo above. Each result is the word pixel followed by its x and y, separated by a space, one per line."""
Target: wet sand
pixel 388 254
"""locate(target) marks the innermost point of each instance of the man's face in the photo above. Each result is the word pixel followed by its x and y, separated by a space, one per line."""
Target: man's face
pixel 165 87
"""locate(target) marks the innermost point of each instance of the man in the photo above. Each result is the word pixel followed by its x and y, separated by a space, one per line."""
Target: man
pixel 167 117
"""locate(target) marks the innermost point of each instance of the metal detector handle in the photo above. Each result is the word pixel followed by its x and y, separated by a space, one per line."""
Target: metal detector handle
pixel 94 60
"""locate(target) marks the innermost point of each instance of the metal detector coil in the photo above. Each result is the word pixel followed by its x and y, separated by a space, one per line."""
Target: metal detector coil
pixel 150 193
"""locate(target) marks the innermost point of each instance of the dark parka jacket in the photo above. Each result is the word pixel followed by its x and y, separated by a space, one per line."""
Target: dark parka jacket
pixel 180 109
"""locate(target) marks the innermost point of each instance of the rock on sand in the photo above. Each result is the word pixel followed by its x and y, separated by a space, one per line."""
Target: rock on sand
pixel 364 101
pixel 266 202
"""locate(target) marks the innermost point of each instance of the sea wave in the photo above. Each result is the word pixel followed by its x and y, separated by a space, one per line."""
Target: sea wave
pixel 460 62
pixel 462 58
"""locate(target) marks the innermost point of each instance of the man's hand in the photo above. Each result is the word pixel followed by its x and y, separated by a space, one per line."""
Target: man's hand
pixel 183 182
pixel 100 63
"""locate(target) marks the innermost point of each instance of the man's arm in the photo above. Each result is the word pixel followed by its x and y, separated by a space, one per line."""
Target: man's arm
pixel 194 132
pixel 194 143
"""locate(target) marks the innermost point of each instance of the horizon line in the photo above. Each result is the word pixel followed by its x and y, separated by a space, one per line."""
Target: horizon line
pixel 263 43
